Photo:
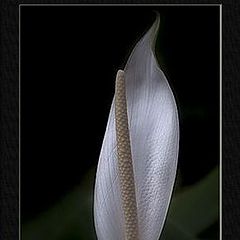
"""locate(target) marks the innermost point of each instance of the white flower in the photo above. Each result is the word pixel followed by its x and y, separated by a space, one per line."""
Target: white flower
pixel 138 160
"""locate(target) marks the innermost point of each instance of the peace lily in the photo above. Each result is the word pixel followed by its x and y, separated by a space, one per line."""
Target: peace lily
pixel 138 159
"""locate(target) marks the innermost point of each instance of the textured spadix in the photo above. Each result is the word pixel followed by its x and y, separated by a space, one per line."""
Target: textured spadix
pixel 151 152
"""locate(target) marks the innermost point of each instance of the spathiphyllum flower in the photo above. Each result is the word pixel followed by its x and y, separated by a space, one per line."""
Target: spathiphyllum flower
pixel 138 159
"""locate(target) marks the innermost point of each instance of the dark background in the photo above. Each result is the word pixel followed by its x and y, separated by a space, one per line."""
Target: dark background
pixel 69 58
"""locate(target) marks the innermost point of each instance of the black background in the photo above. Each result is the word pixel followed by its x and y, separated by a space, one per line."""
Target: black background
pixel 69 58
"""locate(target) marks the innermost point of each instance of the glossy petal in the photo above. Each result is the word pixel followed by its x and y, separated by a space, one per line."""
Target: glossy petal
pixel 154 137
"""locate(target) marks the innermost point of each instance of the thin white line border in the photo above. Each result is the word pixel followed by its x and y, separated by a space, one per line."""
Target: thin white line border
pixel 127 5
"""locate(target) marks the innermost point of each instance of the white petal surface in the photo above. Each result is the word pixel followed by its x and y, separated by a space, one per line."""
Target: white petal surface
pixel 154 136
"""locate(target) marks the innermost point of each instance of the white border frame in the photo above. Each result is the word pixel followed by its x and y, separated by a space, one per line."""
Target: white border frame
pixel 220 93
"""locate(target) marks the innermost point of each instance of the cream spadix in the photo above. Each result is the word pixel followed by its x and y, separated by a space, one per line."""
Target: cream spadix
pixel 138 159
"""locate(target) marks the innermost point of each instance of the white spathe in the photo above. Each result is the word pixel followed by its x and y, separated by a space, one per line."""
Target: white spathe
pixel 154 136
